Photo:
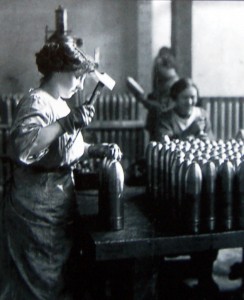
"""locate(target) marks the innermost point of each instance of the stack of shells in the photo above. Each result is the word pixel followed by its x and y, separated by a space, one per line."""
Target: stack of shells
pixel 197 185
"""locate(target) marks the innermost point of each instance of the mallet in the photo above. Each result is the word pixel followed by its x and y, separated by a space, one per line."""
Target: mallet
pixel 104 80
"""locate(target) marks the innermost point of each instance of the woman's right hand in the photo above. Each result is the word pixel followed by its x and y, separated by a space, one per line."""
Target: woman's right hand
pixel 79 117
pixel 197 127
pixel 83 115
pixel 111 151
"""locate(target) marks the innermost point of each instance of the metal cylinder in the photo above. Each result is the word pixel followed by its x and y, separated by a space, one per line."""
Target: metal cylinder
pixel 103 182
pixel 155 170
pixel 225 180
pixel 180 192
pixel 149 159
pixel 192 199
pixel 161 178
pixel 178 160
pixel 208 206
pixel 239 187
pixel 111 206
pixel 169 152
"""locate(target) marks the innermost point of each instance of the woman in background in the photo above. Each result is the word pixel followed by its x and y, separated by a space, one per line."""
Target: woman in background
pixel 41 250
pixel 164 75
pixel 184 120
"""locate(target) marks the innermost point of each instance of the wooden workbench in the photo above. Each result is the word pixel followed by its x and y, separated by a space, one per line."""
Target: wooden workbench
pixel 141 235
pixel 141 245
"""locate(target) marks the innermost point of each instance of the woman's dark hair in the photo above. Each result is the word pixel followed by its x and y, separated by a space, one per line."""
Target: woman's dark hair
pixel 180 85
pixel 166 58
pixel 62 56
pixel 164 68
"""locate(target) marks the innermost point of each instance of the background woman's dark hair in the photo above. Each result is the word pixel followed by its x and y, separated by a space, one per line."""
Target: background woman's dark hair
pixel 164 63
pixel 180 85
pixel 62 56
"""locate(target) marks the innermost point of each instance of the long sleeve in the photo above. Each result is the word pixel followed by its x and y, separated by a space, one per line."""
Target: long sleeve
pixel 165 126
pixel 38 110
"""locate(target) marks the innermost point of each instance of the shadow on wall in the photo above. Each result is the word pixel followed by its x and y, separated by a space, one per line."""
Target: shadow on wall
pixel 12 84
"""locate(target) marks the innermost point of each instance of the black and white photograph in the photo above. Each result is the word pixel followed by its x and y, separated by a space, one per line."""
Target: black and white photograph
pixel 122 150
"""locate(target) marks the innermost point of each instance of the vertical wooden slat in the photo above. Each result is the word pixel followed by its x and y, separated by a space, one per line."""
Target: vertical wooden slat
pixel 120 107
pixel 137 109
pixel 114 107
pixel 208 108
pixel 235 117
pixel 223 122
pixel 4 113
pixel 107 107
pixel 126 108
pixel 241 113
pixel 134 138
pixel 7 100
pixel 133 105
pixel 229 109
pixel 214 116
pixel 121 132
pixel 113 112
pixel 100 107
pixel 117 110
pixel 103 109
pixel 130 131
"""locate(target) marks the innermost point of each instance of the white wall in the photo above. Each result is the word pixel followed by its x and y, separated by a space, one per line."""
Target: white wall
pixel 154 32
pixel 218 40
pixel 161 25
pixel 218 47
pixel 122 30
pixel 108 24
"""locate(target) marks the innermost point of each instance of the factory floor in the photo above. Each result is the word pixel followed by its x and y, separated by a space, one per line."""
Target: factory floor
pixel 228 289
pixel 116 287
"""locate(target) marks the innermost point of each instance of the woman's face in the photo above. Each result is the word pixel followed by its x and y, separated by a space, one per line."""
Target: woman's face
pixel 185 101
pixel 70 83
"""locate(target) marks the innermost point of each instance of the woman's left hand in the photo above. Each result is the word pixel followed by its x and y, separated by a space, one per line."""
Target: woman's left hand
pixel 111 151
pixel 114 152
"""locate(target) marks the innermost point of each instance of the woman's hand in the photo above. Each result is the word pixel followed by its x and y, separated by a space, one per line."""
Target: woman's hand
pixel 111 151
pixel 197 127
pixel 78 117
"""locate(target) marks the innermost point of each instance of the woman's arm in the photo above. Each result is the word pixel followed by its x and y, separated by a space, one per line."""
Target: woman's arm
pixel 164 126
pixel 45 137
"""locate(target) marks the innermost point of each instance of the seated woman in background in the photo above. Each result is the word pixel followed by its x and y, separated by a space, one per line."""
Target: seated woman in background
pixel 184 120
